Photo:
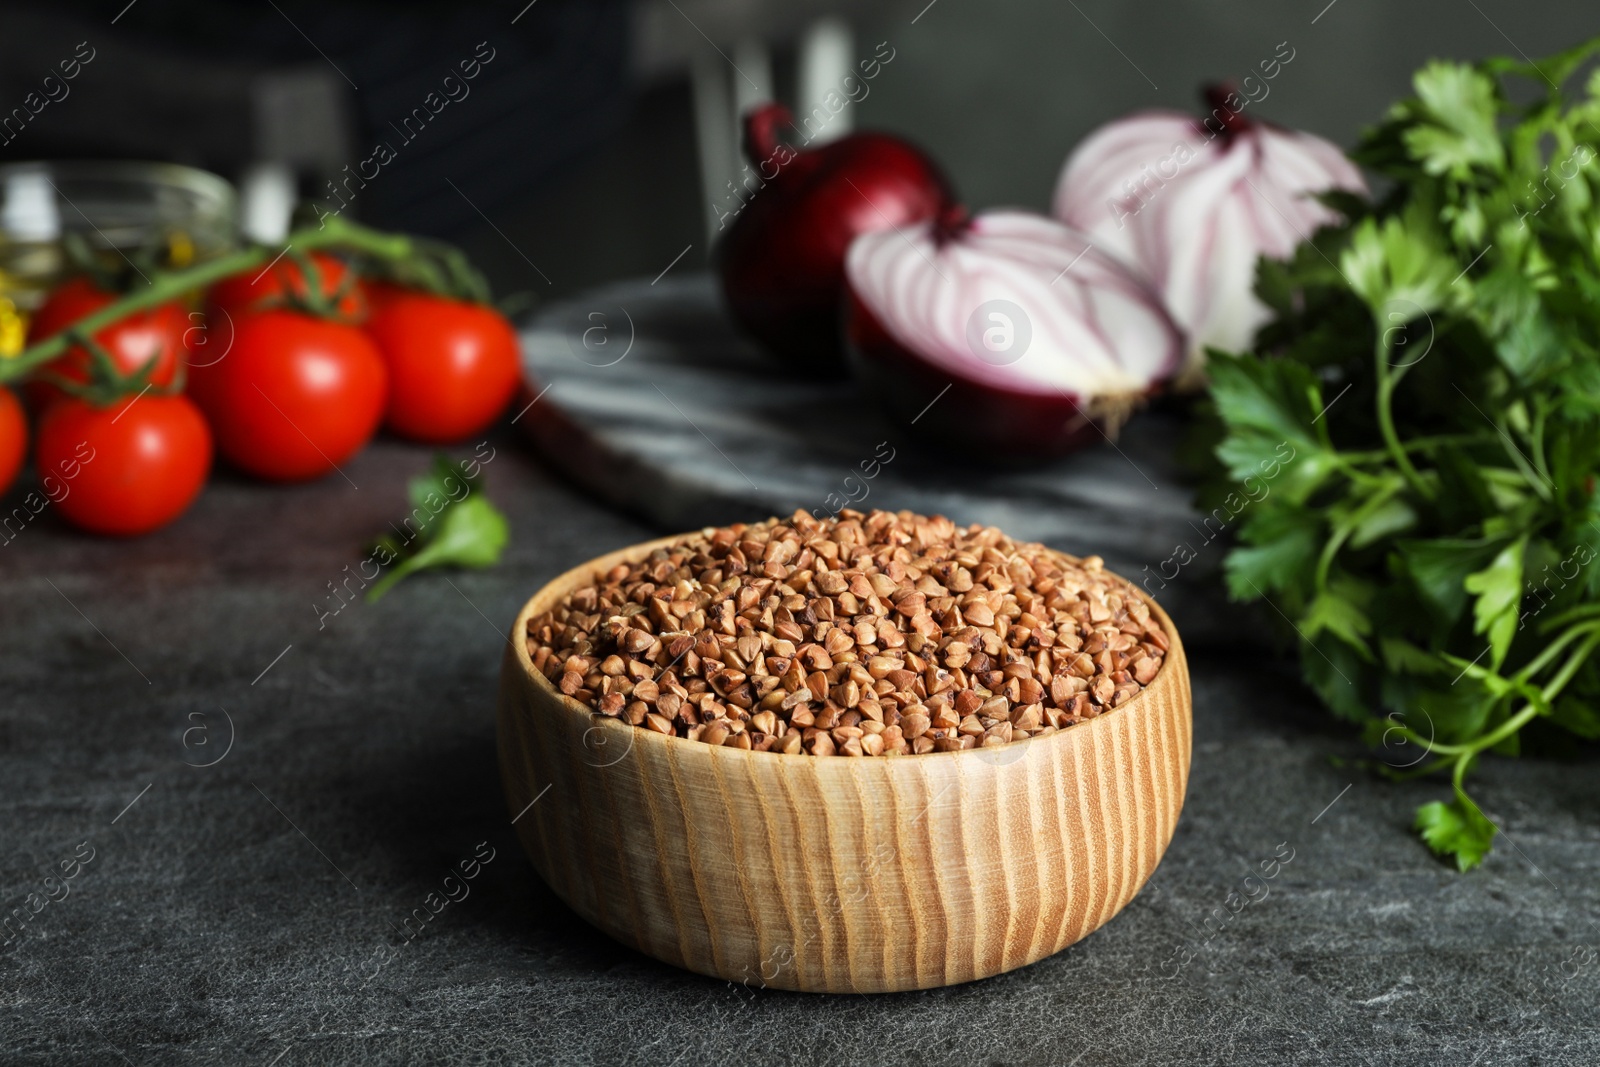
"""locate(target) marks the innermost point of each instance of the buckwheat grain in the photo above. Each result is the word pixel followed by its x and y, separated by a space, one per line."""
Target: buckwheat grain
pixel 874 634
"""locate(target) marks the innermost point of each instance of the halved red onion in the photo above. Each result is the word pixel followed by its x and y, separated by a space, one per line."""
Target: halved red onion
pixel 1045 341
pixel 1193 203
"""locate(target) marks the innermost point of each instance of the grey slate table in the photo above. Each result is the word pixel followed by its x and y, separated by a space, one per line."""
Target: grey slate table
pixel 233 913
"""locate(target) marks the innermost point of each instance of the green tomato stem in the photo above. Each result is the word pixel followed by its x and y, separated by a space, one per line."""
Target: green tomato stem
pixel 171 285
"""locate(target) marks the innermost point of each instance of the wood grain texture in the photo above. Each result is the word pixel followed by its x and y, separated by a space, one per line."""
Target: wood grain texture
pixel 835 874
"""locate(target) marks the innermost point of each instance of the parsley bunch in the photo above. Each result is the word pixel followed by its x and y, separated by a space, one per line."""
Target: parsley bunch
pixel 1434 362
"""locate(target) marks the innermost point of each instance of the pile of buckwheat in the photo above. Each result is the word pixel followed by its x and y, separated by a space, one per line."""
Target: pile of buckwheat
pixel 860 635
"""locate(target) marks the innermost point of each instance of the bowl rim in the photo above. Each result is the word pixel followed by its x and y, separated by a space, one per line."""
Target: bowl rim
pixel 585 570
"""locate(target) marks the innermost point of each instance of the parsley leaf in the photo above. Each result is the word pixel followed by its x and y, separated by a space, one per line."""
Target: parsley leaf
pixel 452 524
pixel 1498 588
pixel 1439 570
pixel 1455 130
pixel 1396 272
pixel 1284 545
pixel 1456 829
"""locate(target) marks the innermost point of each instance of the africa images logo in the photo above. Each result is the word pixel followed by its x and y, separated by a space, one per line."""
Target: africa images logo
pixel 999 332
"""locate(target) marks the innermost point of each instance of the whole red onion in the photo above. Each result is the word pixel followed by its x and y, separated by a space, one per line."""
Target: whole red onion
pixel 1044 342
pixel 782 259
pixel 1194 203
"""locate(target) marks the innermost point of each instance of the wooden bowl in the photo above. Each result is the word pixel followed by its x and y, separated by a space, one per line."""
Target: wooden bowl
pixel 835 874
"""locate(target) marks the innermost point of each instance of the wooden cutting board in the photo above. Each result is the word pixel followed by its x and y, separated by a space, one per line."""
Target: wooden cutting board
pixel 654 402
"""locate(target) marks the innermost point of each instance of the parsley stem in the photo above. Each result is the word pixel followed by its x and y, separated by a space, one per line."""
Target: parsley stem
pixel 1431 745
pixel 1412 773
pixel 1421 444
pixel 1343 530
pixel 1356 475
pixel 1553 688
pixel 1477 744
pixel 1583 611
pixel 1504 730
pixel 1535 479
pixel 1388 379
pixel 1550 691
pixel 1539 462
pixel 1553 649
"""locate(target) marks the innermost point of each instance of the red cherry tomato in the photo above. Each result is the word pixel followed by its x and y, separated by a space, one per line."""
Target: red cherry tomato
pixel 127 468
pixel 452 365
pixel 294 397
pixel 379 292
pixel 255 289
pixel 156 334
pixel 13 438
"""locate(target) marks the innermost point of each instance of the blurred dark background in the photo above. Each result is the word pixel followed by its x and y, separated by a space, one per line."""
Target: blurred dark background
pixel 594 136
